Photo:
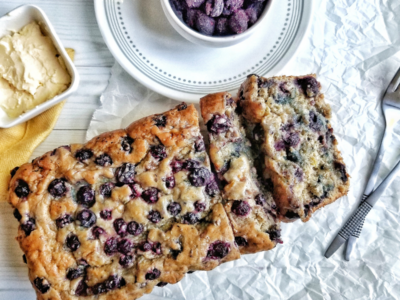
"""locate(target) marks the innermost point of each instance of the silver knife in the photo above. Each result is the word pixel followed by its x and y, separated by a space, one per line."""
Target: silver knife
pixel 359 215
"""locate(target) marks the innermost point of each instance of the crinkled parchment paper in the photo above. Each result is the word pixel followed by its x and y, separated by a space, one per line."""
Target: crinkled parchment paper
pixel 353 46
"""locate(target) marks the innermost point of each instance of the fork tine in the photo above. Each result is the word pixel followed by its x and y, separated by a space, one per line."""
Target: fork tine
pixel 394 84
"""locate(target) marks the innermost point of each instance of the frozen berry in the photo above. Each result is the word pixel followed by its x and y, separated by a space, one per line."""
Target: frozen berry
pixel 64 220
pixel 126 260
pixel 86 218
pixel 97 231
pixel 214 8
pixel 135 228
pixel 124 246
pixel 105 214
pixel 154 216
pixel 205 24
pixel 218 250
pixel 151 195
pixel 199 177
pixel 194 3
pixel 29 226
pixel 240 208
pixel 160 121
pixel 199 206
pixel 85 196
pixel 13 171
pixel 191 17
pixel 309 85
pixel 158 152
pixel 190 218
pixel 170 182
pixel 103 160
pixel 199 145
pixel 126 144
pixel 72 242
pixel 219 124
pixel 17 215
pixel 253 11
pixel 212 188
pixel 342 170
pixel 22 190
pixel 41 284
pixel 176 166
pixel 222 28
pixel 240 241
pixel 153 274
pixel 83 154
pixel 120 227
pixel 260 199
pixel 174 208
pixel 232 6
pixel 110 246
pixel 125 173
pixel 238 22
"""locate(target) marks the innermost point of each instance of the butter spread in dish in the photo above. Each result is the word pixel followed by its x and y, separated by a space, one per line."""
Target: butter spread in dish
pixel 31 70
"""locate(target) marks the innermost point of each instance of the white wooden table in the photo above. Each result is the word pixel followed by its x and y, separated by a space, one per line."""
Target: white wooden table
pixel 76 25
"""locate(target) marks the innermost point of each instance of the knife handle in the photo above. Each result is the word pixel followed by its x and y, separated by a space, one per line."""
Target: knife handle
pixel 356 219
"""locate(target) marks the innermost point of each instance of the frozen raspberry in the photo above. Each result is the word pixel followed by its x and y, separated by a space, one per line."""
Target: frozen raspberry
pixel 309 85
pixel 22 190
pixel 174 208
pixel 158 152
pixel 125 173
pixel 151 195
pixel 205 24
pixel 106 189
pixel 222 28
pixel 85 196
pixel 199 177
pixel 153 274
pixel 126 144
pixel 240 241
pixel 219 124
pixel 72 242
pixel 218 250
pixel 135 228
pixel 120 227
pixel 41 284
pixel 64 220
pixel 214 8
pixel 83 154
pixel 160 121
pixel 238 22
pixel 103 160
pixel 240 208
pixel 154 216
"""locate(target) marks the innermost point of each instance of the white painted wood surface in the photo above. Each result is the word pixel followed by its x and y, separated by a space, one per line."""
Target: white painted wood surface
pixel 76 25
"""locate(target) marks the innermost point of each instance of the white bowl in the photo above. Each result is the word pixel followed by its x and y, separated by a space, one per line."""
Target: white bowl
pixel 14 21
pixel 205 40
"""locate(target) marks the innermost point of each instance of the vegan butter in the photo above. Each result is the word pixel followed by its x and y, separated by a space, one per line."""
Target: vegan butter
pixel 31 70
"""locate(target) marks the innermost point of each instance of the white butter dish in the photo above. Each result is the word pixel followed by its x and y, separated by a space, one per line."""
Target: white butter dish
pixel 13 22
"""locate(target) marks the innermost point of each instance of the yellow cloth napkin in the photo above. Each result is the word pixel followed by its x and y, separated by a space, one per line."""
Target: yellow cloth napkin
pixel 17 143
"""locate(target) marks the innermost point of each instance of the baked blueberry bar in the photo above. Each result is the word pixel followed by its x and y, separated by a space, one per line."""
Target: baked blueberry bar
pixel 288 122
pixel 251 210
pixel 128 210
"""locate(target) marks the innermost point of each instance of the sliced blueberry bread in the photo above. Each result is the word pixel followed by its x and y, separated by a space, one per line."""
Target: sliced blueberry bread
pixel 287 120
pixel 251 210
pixel 128 210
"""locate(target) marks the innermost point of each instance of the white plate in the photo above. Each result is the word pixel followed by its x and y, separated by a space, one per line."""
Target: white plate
pixel 141 39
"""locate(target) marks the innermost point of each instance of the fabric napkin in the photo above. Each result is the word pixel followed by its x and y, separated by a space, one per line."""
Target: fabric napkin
pixel 17 143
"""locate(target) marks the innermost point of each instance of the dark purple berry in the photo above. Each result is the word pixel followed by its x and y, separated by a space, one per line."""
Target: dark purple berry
pixel 154 274
pixel 41 284
pixel 222 27
pixel 17 215
pixel 146 246
pixel 126 144
pixel 85 196
pixel 110 246
pixel 154 216
pixel 112 282
pixel 160 121
pixel 106 214
pixel 120 227
pixel 205 24
pixel 260 199
pixel 275 234
pixel 57 188
pixel 72 242
pixel 214 8
pixel 22 190
pixel 13 171
pixel 24 258
pixel 124 246
pixel 212 188
pixel 64 220
pixel 135 228
pixel 126 260
pixel 170 182
pixel 238 22
pixel 240 241
pixel 182 106
pixel 191 164
pixel 162 284
pixel 280 145
pixel 194 3
pixel 315 121
pixel 97 231
pixel 309 85
pixel 99 288
pixel 29 226
pixel 176 166
pixel 81 289
pixel 136 190
pixel 190 218
pixel 292 139
pixel 218 250
pixel 199 177
pixel 199 206
pixel 342 170
pixel 103 160
pixel 191 17
pixel 159 152
pixel 219 124
pixel 174 208
pixel 125 173
pixel 75 273
pixel 253 11
pixel 240 208
pixel 232 6
pixel 150 195
pixel 83 154
pixel 199 145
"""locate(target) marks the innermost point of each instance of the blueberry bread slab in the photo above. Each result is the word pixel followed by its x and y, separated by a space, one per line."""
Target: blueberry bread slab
pixel 288 122
pixel 251 210
pixel 126 211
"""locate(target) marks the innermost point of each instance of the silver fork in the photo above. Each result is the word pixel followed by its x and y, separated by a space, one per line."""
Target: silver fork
pixel 391 112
